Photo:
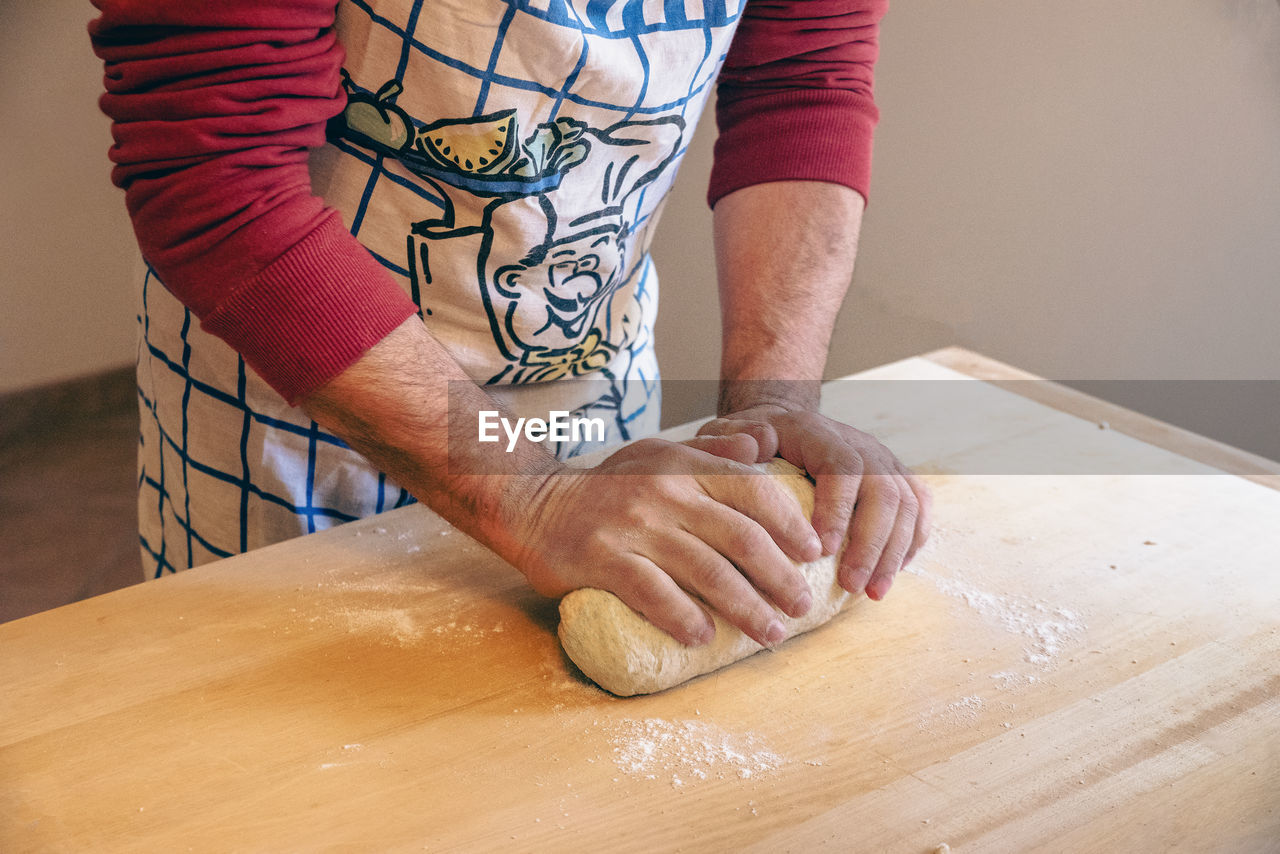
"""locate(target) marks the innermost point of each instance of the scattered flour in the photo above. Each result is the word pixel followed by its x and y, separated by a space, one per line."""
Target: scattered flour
pixel 467 630
pixel 688 751
pixel 962 712
pixel 384 584
pixel 395 604
pixel 395 608
pixel 1008 679
pixel 401 626
pixel 392 624
pixel 1046 629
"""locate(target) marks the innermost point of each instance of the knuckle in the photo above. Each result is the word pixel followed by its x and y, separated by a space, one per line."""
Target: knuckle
pixel 885 491
pixel 846 462
pixel 894 554
pixel 873 544
pixel 748 539
pixel 634 517
pixel 844 502
pixel 712 428
pixel 881 463
pixel 710 575
pixel 909 505
pixel 603 543
pixel 659 449
pixel 596 541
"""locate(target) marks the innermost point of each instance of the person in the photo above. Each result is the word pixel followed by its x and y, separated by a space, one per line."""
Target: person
pixel 368 222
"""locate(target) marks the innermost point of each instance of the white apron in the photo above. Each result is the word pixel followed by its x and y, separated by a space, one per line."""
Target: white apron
pixel 505 160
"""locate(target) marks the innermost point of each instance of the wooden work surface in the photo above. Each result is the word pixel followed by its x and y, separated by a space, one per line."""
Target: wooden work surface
pixel 1077 662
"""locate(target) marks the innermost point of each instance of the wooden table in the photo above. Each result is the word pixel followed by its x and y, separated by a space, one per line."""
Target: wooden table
pixel 1077 662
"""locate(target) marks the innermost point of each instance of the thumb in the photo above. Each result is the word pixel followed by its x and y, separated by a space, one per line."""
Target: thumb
pixel 739 447
pixel 764 434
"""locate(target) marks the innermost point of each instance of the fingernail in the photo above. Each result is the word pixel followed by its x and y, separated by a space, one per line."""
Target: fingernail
pixel 859 579
pixel 803 603
pixel 878 589
pixel 775 634
pixel 813 547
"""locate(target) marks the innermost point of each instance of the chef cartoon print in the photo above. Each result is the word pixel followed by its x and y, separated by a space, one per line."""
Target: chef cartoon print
pixel 542 226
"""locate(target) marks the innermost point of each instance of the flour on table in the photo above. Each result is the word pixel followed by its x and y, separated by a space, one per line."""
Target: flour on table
pixel 959 713
pixel 467 630
pixel 688 751
pixel 392 624
pixel 1046 630
pixel 396 608
pixel 385 584
pixel 1006 680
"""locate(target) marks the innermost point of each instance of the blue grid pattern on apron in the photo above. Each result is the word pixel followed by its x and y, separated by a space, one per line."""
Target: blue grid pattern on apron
pixel 226 466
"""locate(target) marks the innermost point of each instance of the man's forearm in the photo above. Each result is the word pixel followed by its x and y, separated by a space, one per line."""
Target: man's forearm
pixel 784 258
pixel 394 406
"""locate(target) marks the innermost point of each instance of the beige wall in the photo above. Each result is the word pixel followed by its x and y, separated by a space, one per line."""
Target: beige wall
pixel 66 303
pixel 1087 190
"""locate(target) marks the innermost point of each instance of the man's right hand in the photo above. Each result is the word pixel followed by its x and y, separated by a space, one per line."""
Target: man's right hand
pixel 658 521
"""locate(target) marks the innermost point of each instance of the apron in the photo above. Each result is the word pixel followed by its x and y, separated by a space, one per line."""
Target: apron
pixel 506 162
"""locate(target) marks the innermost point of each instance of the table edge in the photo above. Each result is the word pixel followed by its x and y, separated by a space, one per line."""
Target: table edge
pixel 1171 438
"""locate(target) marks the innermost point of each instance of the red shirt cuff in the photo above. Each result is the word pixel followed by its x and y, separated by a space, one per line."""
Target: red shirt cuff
pixel 311 313
pixel 798 135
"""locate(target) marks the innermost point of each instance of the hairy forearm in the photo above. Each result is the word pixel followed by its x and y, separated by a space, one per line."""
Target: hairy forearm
pixel 409 408
pixel 784 257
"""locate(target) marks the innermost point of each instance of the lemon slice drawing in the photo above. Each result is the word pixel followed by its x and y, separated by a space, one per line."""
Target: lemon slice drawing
pixel 479 146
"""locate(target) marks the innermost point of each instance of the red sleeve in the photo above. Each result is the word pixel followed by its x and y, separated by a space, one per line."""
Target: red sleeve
pixel 794 101
pixel 214 107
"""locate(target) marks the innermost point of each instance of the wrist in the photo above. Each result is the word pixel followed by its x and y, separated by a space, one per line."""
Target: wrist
pixel 518 505
pixel 775 396
pixel 530 505
pixel 496 495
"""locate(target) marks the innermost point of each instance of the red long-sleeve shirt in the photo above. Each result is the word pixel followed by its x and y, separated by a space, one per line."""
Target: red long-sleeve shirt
pixel 215 107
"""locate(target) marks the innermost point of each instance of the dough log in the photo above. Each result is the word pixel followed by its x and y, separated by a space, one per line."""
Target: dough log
pixel 625 654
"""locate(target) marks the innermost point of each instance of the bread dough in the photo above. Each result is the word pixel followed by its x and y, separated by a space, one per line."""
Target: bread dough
pixel 624 653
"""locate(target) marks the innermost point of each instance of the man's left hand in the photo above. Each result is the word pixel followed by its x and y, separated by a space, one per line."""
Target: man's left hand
pixel 864 494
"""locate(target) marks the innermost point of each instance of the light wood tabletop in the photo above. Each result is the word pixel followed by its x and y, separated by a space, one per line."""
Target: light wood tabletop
pixel 1084 658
